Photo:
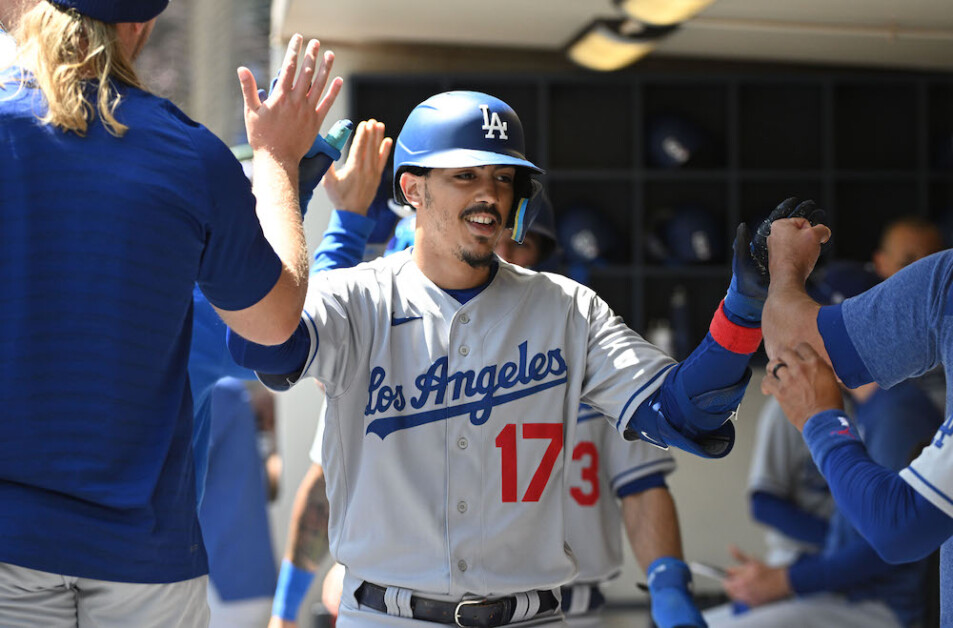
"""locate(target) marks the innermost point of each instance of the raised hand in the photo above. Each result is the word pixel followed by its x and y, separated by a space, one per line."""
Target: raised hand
pixel 287 121
pixel 354 186
pixel 803 383
pixel 788 208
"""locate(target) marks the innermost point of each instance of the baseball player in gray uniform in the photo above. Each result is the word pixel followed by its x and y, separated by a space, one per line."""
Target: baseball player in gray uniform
pixel 782 469
pixel 454 380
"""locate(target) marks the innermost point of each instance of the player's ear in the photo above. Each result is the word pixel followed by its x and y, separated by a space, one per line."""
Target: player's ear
pixel 413 188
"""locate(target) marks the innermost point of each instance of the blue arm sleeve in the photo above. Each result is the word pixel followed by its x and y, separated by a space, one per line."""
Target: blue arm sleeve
pixel 851 565
pixel 785 516
pixel 344 241
pixel 899 523
pixel 702 391
pixel 288 357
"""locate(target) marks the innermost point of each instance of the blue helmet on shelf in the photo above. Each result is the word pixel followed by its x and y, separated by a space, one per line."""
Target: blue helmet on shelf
pixel 674 141
pixel 462 129
pixel 840 280
pixel 585 236
pixel 685 234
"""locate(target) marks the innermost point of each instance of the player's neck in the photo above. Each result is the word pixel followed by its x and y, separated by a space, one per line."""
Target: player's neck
pixel 447 271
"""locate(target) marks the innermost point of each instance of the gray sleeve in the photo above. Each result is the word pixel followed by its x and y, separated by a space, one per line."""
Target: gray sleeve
pixel 773 461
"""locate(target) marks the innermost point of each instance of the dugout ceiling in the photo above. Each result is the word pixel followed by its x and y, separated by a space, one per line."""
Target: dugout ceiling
pixel 915 34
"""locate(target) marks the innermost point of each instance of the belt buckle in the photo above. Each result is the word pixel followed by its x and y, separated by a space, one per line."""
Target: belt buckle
pixel 456 611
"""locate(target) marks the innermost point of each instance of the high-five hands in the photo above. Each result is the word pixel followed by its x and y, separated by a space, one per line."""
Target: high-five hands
pixel 285 124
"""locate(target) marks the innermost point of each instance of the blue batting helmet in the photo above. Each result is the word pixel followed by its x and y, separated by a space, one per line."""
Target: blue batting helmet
pixel 685 234
pixel 840 280
pixel 674 141
pixel 462 129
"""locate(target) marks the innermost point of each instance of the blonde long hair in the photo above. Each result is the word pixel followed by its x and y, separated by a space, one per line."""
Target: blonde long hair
pixel 65 51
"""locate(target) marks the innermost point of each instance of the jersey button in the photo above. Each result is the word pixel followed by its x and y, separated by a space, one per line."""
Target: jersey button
pixel 464 319
pixel 462 565
pixel 464 350
pixel 462 507
pixel 462 443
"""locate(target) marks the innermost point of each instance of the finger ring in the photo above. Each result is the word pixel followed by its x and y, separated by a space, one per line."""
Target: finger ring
pixel 774 371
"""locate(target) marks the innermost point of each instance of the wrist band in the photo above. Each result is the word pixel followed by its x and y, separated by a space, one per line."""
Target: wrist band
pixel 293 584
pixel 731 336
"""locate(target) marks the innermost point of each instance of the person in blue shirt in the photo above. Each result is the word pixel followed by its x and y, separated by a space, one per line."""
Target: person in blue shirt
pixel 114 206
pixel 899 329
pixel 234 513
pixel 846 584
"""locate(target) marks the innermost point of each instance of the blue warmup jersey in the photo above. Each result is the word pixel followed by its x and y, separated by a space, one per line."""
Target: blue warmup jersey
pixel 902 328
pixel 209 361
pixel 234 514
pixel 102 240
pixel 894 425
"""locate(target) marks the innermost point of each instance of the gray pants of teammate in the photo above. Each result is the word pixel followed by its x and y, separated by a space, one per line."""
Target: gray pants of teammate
pixel 31 598
pixel 822 610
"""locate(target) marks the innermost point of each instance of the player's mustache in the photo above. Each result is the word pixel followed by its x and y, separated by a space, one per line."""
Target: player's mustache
pixel 482 209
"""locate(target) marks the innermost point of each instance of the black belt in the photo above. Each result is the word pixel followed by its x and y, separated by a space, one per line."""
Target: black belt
pixel 472 613
pixel 596 599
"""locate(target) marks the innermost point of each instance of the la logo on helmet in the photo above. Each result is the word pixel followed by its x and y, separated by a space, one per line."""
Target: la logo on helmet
pixel 492 123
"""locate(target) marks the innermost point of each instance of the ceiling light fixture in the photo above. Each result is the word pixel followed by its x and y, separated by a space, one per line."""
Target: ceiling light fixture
pixel 662 12
pixel 610 44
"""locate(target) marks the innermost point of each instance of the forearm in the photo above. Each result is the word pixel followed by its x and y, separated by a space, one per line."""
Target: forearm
pixel 308 529
pixel 344 241
pixel 842 569
pixel 276 189
pixel 651 525
pixel 899 523
pixel 790 317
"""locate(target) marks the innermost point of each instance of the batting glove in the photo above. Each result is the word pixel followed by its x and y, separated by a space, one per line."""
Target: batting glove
pixel 672 604
pixel 749 287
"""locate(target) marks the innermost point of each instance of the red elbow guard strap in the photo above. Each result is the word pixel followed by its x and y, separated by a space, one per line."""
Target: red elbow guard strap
pixel 735 338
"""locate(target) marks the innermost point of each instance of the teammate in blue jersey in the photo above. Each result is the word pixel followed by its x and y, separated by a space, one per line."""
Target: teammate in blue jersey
pixel 234 513
pixel 454 380
pixel 899 329
pixel 114 207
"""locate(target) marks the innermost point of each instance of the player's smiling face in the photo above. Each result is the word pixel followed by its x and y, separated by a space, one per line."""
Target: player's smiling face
pixel 466 209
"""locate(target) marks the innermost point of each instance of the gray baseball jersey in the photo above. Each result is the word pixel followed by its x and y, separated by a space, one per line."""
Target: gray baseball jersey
pixel 447 424
pixel 601 463
pixel 781 465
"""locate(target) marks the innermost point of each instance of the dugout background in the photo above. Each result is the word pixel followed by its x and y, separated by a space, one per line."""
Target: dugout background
pixel 863 143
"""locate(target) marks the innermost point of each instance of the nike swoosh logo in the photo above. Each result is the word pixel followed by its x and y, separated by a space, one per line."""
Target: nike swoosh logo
pixel 395 321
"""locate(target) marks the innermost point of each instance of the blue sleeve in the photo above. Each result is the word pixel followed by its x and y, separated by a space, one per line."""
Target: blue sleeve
pixel 846 567
pixel 785 516
pixel 705 388
pixel 238 266
pixel 344 241
pixel 644 483
pixel 898 522
pixel 896 327
pixel 287 358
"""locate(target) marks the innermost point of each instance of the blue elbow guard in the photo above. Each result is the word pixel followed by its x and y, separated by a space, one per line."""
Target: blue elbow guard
pixel 705 411
pixel 649 424
pixel 672 603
